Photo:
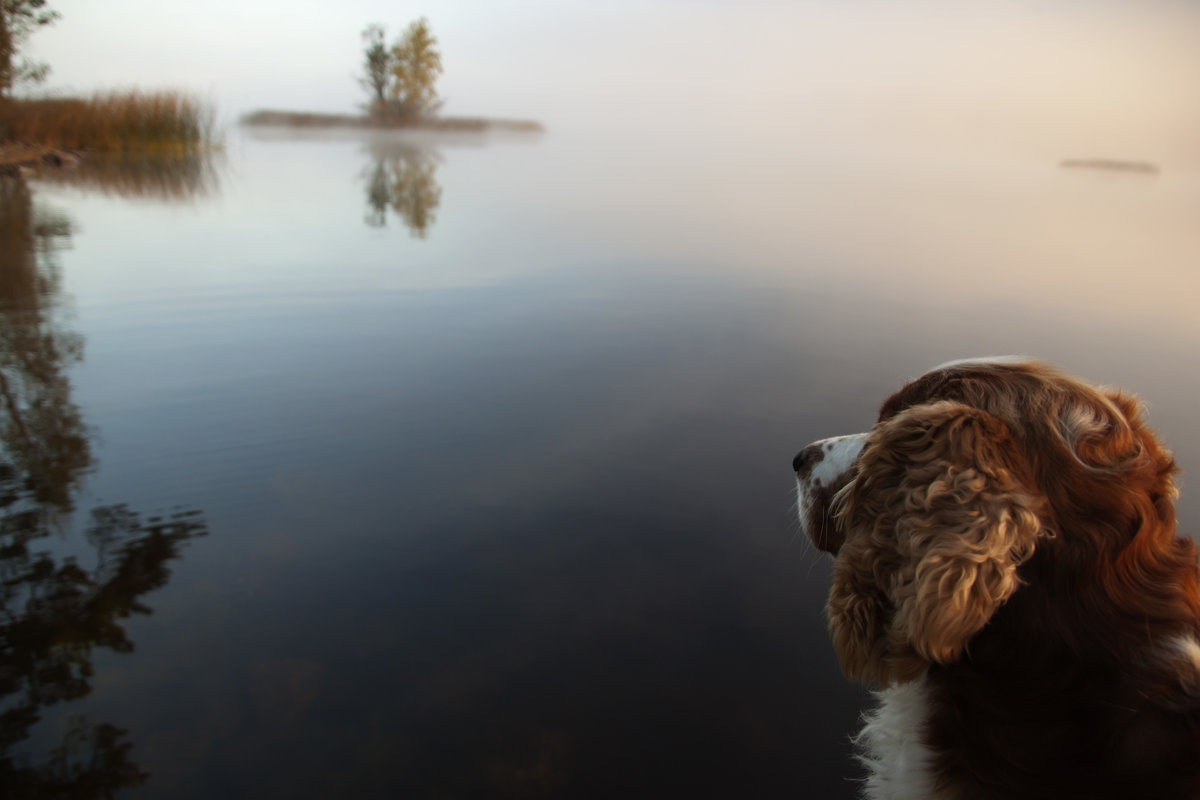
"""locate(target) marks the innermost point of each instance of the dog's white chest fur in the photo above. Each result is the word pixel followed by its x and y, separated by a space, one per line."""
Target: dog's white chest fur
pixel 890 745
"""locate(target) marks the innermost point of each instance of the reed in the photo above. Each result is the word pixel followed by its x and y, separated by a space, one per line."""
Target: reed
pixel 119 121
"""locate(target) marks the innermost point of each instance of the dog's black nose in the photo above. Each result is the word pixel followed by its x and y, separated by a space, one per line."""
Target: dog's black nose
pixel 805 459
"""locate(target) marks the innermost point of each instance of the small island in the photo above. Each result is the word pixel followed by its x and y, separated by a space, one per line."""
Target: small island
pixel 309 119
pixel 401 83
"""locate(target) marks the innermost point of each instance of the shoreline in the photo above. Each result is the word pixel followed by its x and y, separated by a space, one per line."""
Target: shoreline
pixel 22 158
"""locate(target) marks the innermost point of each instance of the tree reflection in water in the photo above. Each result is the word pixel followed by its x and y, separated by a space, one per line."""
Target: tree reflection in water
pixel 53 610
pixel 403 178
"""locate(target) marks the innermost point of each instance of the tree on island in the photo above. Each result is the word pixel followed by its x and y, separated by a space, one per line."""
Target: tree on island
pixel 377 66
pixel 401 80
pixel 415 68
pixel 19 19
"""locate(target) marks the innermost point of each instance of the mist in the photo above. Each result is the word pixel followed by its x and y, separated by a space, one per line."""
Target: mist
pixel 1051 80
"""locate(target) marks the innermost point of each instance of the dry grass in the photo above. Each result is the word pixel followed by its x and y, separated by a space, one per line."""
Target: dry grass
pixel 110 121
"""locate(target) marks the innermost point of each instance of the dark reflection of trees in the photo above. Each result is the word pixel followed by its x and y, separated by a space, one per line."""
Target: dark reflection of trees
pixel 40 428
pixel 54 610
pixel 402 178
pixel 161 176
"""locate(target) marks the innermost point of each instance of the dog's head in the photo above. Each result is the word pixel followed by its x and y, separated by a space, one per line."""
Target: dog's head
pixel 982 479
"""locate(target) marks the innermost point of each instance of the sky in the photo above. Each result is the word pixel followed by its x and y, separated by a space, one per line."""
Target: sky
pixel 1113 77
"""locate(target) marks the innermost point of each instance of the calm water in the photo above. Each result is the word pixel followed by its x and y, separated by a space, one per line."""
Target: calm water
pixel 376 468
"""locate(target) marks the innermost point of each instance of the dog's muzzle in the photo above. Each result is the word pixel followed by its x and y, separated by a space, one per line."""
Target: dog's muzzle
pixel 822 469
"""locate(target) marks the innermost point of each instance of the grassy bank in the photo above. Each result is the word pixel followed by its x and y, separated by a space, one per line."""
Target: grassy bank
pixel 110 121
pixel 300 119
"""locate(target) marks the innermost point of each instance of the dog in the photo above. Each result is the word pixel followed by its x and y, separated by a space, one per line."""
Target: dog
pixel 1007 576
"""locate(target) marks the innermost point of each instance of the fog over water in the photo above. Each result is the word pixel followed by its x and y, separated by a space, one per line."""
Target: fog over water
pixel 1049 79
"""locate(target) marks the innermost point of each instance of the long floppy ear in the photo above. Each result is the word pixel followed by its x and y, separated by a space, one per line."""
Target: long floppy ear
pixel 937 522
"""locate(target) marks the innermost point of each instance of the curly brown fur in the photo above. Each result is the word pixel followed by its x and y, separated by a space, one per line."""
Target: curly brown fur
pixel 1007 539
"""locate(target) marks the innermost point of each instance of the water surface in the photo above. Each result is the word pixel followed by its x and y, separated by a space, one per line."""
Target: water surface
pixel 380 467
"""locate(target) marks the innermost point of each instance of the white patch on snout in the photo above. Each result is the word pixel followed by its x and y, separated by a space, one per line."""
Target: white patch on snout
pixel 840 453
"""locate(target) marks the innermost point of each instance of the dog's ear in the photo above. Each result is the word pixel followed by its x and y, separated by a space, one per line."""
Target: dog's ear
pixel 939 518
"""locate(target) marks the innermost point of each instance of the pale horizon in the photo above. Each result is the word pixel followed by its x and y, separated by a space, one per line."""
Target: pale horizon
pixel 1063 79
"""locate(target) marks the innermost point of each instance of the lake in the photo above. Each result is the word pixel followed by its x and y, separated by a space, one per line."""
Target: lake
pixel 395 466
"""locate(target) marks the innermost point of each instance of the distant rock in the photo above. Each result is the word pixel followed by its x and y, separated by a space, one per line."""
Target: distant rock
pixel 1111 165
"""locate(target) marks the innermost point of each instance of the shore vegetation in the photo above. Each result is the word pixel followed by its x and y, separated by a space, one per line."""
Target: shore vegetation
pixel 54 131
pixel 116 121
